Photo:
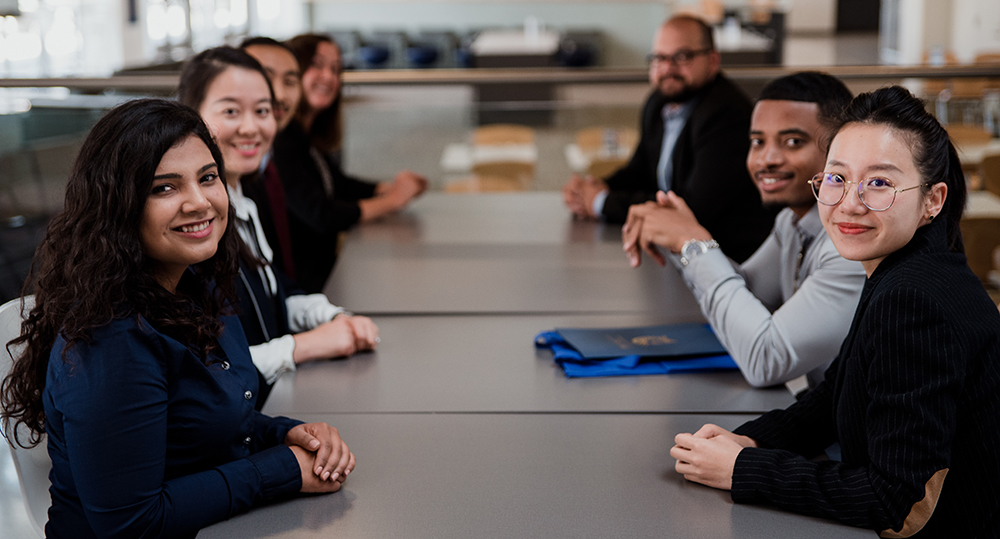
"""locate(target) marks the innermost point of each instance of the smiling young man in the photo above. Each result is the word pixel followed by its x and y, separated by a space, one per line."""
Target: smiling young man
pixel 786 310
pixel 694 127
pixel 269 194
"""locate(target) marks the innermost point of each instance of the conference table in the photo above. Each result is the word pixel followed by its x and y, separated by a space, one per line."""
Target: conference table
pixel 462 428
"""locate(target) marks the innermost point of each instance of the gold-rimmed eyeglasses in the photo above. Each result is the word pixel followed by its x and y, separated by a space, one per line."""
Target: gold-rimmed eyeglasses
pixel 877 194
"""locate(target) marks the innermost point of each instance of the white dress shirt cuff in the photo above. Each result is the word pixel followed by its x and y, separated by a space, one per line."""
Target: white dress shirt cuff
pixel 306 311
pixel 274 357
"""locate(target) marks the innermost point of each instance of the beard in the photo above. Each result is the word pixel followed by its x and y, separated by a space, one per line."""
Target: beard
pixel 685 93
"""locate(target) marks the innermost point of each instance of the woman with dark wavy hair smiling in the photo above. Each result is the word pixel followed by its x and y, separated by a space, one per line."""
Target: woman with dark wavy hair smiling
pixel 131 361
pixel 913 398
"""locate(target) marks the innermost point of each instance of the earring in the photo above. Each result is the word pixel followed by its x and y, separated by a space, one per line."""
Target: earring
pixel 931 217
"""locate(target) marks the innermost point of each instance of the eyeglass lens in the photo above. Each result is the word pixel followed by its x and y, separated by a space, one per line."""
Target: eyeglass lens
pixel 877 194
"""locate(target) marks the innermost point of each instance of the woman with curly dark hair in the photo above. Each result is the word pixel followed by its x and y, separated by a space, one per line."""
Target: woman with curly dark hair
pixel 913 398
pixel 131 360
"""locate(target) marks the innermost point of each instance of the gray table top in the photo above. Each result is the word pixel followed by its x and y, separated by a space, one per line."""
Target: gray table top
pixel 516 475
pixel 497 254
pixel 492 218
pixel 488 363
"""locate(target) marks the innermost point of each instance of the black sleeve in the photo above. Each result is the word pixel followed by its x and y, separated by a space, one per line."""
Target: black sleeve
pixel 635 183
pixel 710 172
pixel 349 188
pixel 305 197
pixel 898 411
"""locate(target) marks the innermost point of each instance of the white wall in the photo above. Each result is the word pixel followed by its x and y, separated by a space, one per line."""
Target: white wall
pixel 628 26
pixel 808 16
pixel 975 28
pixel 964 27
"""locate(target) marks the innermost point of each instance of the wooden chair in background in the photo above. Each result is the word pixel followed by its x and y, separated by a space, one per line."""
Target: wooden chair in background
pixel 495 176
pixel 989 172
pixel 981 236
pixel 603 161
pixel 493 168
pixel 499 134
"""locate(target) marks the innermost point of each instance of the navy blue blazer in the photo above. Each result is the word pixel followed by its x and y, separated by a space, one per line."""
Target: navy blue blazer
pixel 147 440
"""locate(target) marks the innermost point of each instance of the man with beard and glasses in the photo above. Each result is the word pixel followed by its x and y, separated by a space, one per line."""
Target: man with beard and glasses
pixel 786 310
pixel 694 127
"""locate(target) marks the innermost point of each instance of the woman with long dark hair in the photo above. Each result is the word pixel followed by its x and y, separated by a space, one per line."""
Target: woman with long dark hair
pixel 913 399
pixel 131 360
pixel 322 199
pixel 284 326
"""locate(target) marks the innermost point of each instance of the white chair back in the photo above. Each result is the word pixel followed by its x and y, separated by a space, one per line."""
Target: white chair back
pixel 33 464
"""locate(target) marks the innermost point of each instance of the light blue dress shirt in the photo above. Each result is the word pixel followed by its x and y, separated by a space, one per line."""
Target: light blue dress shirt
pixel 674 117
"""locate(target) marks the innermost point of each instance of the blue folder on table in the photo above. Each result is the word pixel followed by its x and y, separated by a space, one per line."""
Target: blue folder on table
pixel 663 349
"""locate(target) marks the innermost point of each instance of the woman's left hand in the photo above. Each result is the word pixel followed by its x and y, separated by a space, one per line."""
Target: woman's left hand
pixel 334 460
pixel 709 461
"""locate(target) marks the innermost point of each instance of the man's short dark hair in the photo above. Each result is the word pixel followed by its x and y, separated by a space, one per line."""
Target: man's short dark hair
pixel 262 41
pixel 827 91
pixel 707 37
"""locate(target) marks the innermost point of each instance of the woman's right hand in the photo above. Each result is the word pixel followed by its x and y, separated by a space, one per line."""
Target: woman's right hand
pixel 709 430
pixel 333 339
pixel 311 483
pixel 407 186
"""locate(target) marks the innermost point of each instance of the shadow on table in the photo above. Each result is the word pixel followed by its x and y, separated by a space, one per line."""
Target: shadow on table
pixel 312 512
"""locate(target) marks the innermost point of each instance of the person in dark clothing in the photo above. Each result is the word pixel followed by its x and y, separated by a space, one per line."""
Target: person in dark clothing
pixel 693 142
pixel 322 200
pixel 130 361
pixel 913 398
pixel 283 325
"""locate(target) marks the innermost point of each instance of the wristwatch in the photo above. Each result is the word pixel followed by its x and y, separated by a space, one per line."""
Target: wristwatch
pixel 693 248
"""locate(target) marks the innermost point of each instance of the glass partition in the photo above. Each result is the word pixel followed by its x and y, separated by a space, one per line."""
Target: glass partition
pixel 579 122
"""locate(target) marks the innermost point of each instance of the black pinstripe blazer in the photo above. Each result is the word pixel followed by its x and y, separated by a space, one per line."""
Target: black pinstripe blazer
pixel 914 400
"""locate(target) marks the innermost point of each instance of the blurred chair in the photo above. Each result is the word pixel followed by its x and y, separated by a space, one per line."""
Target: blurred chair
pixel 968 134
pixel 592 139
pixel 495 176
pixel 32 465
pixel 989 171
pixel 607 149
pixel 499 134
pixel 981 236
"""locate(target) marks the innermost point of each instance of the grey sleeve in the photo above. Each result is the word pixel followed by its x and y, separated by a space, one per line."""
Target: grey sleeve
pixel 802 335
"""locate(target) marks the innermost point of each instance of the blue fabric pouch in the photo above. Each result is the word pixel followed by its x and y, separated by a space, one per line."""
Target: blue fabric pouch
pixel 575 366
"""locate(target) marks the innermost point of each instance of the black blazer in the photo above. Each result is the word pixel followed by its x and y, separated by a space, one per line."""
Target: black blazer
pixel 709 169
pixel 913 398
pixel 314 220
pixel 262 315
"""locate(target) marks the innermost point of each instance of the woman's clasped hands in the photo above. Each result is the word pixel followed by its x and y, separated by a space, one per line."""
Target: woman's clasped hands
pixel 709 455
pixel 324 458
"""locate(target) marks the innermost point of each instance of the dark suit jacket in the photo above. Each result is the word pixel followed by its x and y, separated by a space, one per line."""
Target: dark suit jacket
pixel 709 169
pixel 314 220
pixel 914 395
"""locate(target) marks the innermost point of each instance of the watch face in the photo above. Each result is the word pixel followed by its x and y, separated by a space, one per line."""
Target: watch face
pixel 692 248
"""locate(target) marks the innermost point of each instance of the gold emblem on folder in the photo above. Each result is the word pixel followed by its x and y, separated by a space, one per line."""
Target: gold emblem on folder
pixel 642 340
pixel 652 340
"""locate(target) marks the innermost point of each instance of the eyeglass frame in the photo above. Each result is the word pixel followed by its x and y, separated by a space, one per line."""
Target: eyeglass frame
pixel 679 58
pixel 861 190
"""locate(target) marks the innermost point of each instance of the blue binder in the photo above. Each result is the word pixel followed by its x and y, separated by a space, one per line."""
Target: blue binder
pixel 576 365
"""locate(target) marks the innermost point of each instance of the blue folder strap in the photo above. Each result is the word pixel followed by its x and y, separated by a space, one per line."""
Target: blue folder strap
pixel 576 367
